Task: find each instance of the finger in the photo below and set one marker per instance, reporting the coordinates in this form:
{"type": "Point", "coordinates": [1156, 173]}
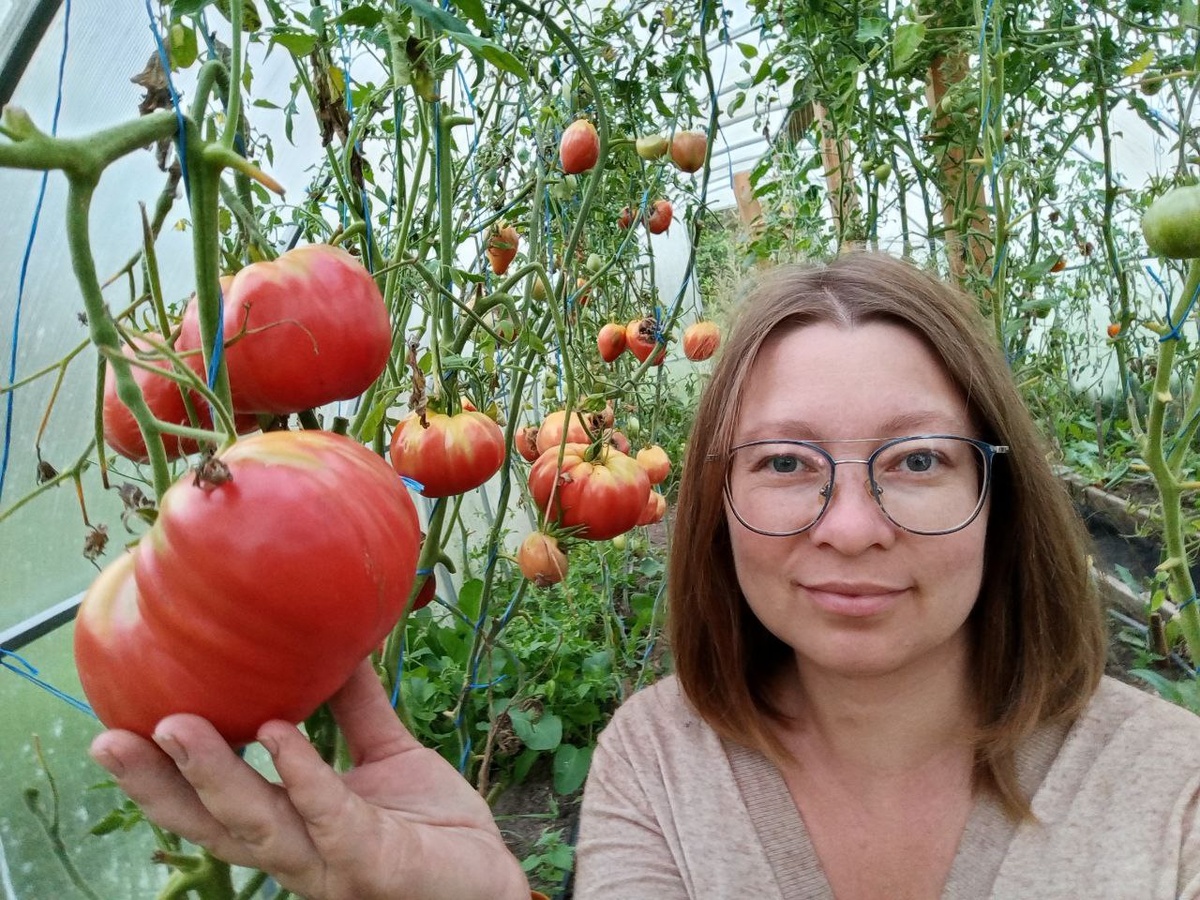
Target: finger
{"type": "Point", "coordinates": [365, 715]}
{"type": "Point", "coordinates": [152, 779]}
{"type": "Point", "coordinates": [255, 823]}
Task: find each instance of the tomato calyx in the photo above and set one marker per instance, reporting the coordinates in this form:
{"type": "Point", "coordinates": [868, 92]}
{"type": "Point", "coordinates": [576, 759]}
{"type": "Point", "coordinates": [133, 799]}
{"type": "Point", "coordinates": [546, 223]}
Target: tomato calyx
{"type": "Point", "coordinates": [210, 472]}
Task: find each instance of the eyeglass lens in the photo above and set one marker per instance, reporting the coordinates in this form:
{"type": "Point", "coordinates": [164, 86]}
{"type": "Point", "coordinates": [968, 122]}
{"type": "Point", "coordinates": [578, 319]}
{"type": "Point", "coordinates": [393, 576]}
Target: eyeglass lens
{"type": "Point", "coordinates": [922, 484]}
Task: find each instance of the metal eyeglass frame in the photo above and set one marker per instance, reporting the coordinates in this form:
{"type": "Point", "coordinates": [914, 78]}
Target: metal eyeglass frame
{"type": "Point", "coordinates": [988, 451]}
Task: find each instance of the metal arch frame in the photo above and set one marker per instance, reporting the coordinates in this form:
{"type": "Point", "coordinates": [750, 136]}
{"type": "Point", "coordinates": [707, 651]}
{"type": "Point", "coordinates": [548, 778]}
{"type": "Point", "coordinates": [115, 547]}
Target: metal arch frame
{"type": "Point", "coordinates": [28, 23]}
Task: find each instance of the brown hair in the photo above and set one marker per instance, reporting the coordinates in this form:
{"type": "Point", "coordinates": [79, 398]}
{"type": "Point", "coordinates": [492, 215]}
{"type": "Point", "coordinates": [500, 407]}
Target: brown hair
{"type": "Point", "coordinates": [1037, 629]}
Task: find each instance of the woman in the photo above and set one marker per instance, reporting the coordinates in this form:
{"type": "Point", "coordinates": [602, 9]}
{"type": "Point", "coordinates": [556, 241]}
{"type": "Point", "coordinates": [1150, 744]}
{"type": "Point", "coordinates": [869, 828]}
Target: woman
{"type": "Point", "coordinates": [889, 664]}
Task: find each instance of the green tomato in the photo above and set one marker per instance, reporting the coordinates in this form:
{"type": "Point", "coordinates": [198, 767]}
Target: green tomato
{"type": "Point", "coordinates": [633, 428]}
{"type": "Point", "coordinates": [1172, 223]}
{"type": "Point", "coordinates": [620, 541]}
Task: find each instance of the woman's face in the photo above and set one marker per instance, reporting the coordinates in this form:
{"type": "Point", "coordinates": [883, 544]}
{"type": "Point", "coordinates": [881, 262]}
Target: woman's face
{"type": "Point", "coordinates": [855, 594]}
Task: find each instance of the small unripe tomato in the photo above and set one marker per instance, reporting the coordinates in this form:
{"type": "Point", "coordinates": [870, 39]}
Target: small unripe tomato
{"type": "Point", "coordinates": [651, 146]}
{"type": "Point", "coordinates": [1172, 223]}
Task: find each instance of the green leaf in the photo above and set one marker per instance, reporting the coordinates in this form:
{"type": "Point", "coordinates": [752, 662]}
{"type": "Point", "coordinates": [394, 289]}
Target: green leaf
{"type": "Point", "coordinates": [473, 10]}
{"type": "Point", "coordinates": [364, 15]}
{"type": "Point", "coordinates": [457, 29]}
{"type": "Point", "coordinates": [906, 44]}
{"type": "Point", "coordinates": [869, 30]}
{"type": "Point", "coordinates": [183, 46]}
{"type": "Point", "coordinates": [570, 767]}
{"type": "Point", "coordinates": [1141, 64]}
{"type": "Point", "coordinates": [262, 103]}
{"type": "Point", "coordinates": [297, 43]}
{"type": "Point", "coordinates": [748, 50]}
{"type": "Point", "coordinates": [543, 734]}
{"type": "Point", "coordinates": [188, 7]}
{"type": "Point", "coordinates": [470, 596]}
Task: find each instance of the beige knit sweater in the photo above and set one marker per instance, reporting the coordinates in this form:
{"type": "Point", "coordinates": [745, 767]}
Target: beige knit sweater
{"type": "Point", "coordinates": [671, 812]}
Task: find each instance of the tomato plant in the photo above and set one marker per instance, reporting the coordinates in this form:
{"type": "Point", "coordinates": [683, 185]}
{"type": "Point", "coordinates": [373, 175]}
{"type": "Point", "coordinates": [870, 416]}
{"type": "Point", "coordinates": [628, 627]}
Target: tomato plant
{"type": "Point", "coordinates": [300, 331]}
{"type": "Point", "coordinates": [611, 341]}
{"type": "Point", "coordinates": [448, 454]}
{"type": "Point", "coordinates": [541, 559]}
{"type": "Point", "coordinates": [579, 148]}
{"type": "Point", "coordinates": [601, 491]}
{"type": "Point", "coordinates": [700, 340]}
{"type": "Point", "coordinates": [259, 588]}
{"type": "Point", "coordinates": [642, 336]}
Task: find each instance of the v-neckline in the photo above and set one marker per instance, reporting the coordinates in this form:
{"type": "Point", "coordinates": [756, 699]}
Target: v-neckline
{"type": "Point", "coordinates": [793, 860]}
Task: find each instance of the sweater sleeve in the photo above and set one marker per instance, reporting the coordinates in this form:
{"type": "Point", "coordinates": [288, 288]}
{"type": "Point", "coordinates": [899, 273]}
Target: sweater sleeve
{"type": "Point", "coordinates": [622, 850]}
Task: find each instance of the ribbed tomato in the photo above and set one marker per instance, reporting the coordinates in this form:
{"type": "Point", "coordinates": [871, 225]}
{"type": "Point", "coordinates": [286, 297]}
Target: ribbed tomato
{"type": "Point", "coordinates": [579, 148]}
{"type": "Point", "coordinates": [642, 336]}
{"type": "Point", "coordinates": [449, 454]}
{"type": "Point", "coordinates": [701, 340]}
{"type": "Point", "coordinates": [256, 592]}
{"type": "Point", "coordinates": [311, 328]}
{"type": "Point", "coordinates": [541, 560]}
{"type": "Point", "coordinates": [550, 432]}
{"type": "Point", "coordinates": [655, 461]}
{"type": "Point", "coordinates": [656, 508]}
{"type": "Point", "coordinates": [600, 491]}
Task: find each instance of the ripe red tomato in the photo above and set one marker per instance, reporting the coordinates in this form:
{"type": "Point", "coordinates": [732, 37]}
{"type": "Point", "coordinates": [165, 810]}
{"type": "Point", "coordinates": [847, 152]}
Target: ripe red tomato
{"type": "Point", "coordinates": [525, 441]}
{"type": "Point", "coordinates": [165, 399]}
{"type": "Point", "coordinates": [502, 244]}
{"type": "Point", "coordinates": [550, 433]}
{"type": "Point", "coordinates": [700, 340]}
{"type": "Point", "coordinates": [251, 598]}
{"type": "Point", "coordinates": [659, 219]}
{"type": "Point", "coordinates": [316, 330]}
{"type": "Point", "coordinates": [641, 337]}
{"type": "Point", "coordinates": [688, 149]}
{"type": "Point", "coordinates": [618, 440]}
{"type": "Point", "coordinates": [655, 461]}
{"type": "Point", "coordinates": [600, 491]}
{"type": "Point", "coordinates": [625, 219]}
{"type": "Point", "coordinates": [452, 455]}
{"type": "Point", "coordinates": [541, 560]}
{"type": "Point", "coordinates": [656, 508]}
{"type": "Point", "coordinates": [1059, 265]}
{"type": "Point", "coordinates": [427, 593]}
{"type": "Point", "coordinates": [611, 341]}
{"type": "Point", "coordinates": [1114, 329]}
{"type": "Point", "coordinates": [579, 148]}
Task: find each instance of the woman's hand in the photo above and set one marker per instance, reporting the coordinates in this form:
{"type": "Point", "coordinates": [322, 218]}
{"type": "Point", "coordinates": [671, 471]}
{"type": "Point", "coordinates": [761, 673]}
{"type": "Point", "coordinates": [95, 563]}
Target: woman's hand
{"type": "Point", "coordinates": [401, 825]}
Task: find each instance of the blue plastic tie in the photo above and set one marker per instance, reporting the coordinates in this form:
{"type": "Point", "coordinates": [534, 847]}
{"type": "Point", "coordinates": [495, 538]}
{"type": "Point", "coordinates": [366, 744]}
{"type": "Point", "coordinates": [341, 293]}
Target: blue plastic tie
{"type": "Point", "coordinates": [37, 214]}
{"type": "Point", "coordinates": [30, 673]}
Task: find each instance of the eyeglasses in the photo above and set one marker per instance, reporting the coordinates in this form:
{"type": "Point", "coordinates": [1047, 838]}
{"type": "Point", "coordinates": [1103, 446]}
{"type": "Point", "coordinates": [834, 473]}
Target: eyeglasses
{"type": "Point", "coordinates": [925, 484]}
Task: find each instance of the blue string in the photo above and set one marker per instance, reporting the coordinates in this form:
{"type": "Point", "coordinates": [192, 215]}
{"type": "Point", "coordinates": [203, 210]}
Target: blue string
{"type": "Point", "coordinates": [37, 214]}
{"type": "Point", "coordinates": [1174, 334]}
{"type": "Point", "coordinates": [30, 673]}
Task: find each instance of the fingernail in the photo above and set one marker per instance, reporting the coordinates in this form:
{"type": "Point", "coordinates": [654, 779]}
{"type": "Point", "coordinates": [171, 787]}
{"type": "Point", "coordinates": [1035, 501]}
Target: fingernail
{"type": "Point", "coordinates": [171, 746]}
{"type": "Point", "coordinates": [108, 762]}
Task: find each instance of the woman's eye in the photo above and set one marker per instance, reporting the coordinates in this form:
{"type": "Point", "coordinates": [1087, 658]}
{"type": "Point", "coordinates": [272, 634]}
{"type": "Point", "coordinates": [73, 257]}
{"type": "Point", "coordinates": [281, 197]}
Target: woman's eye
{"type": "Point", "coordinates": [919, 462]}
{"type": "Point", "coordinates": [783, 465]}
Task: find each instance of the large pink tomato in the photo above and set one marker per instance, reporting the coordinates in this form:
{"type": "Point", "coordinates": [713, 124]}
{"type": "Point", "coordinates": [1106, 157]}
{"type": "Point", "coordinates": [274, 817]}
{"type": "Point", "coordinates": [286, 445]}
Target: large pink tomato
{"type": "Point", "coordinates": [254, 595]}
{"type": "Point", "coordinates": [601, 491]}
{"type": "Point", "coordinates": [449, 454]}
{"type": "Point", "coordinates": [311, 327]}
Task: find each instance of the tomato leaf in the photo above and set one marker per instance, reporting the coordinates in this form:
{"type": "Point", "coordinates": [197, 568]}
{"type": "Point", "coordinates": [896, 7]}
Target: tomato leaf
{"type": "Point", "coordinates": [455, 28]}
{"type": "Point", "coordinates": [570, 767]}
{"type": "Point", "coordinates": [543, 734]}
{"type": "Point", "coordinates": [297, 43]}
{"type": "Point", "coordinates": [905, 45]}
{"type": "Point", "coordinates": [1141, 64]}
{"type": "Point", "coordinates": [473, 10]}
{"type": "Point", "coordinates": [364, 14]}
{"type": "Point", "coordinates": [469, 597]}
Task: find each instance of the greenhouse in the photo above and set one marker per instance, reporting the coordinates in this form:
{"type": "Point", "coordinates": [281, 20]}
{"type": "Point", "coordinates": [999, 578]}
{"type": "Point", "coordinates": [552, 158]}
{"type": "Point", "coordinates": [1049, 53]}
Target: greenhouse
{"type": "Point", "coordinates": [801, 395]}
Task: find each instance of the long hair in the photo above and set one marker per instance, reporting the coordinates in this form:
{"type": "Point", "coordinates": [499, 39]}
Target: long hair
{"type": "Point", "coordinates": [1037, 630]}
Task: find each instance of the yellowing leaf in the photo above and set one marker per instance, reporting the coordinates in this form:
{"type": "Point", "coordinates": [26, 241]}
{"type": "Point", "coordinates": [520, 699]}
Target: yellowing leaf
{"type": "Point", "coordinates": [1141, 64]}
